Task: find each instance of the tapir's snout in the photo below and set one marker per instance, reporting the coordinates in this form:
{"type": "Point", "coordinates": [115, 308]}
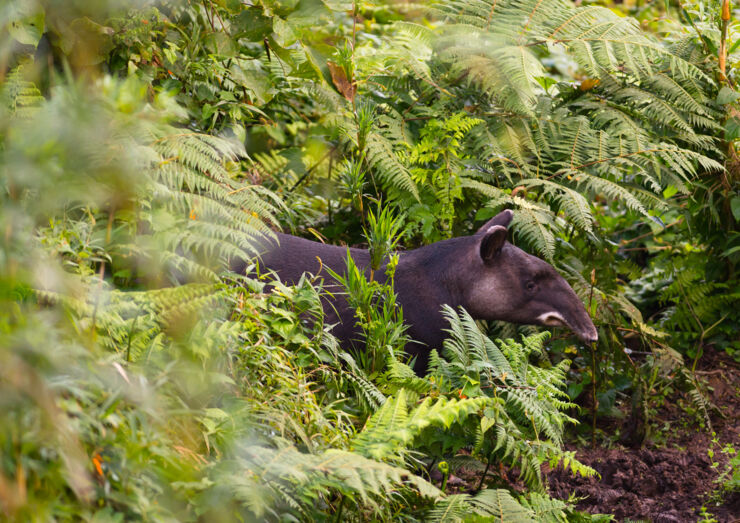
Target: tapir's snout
{"type": "Point", "coordinates": [589, 334]}
{"type": "Point", "coordinates": [582, 326]}
{"type": "Point", "coordinates": [566, 310]}
{"type": "Point", "coordinates": [579, 322]}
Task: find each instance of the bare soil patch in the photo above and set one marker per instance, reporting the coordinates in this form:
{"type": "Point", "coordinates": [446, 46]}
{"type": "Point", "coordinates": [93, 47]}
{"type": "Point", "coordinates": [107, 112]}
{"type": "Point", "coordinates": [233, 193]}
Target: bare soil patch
{"type": "Point", "coordinates": [670, 483]}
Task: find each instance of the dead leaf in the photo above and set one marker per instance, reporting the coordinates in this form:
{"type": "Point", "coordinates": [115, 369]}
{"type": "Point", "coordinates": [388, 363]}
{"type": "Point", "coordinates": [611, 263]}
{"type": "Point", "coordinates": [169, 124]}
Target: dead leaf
{"type": "Point", "coordinates": [343, 85]}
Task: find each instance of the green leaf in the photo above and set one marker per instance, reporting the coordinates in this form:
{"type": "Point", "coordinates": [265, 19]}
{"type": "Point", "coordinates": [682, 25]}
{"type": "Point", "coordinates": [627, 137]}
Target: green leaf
{"type": "Point", "coordinates": [250, 76]}
{"type": "Point", "coordinates": [207, 111]}
{"type": "Point", "coordinates": [252, 24]}
{"type": "Point", "coordinates": [734, 47]}
{"type": "Point", "coordinates": [283, 32]}
{"type": "Point", "coordinates": [732, 129]}
{"type": "Point", "coordinates": [735, 206]}
{"type": "Point", "coordinates": [669, 191]}
{"type": "Point", "coordinates": [281, 7]}
{"type": "Point", "coordinates": [339, 5]}
{"type": "Point", "coordinates": [727, 95]}
{"type": "Point", "coordinates": [25, 25]}
{"type": "Point", "coordinates": [220, 43]}
{"type": "Point", "coordinates": [546, 82]}
{"type": "Point", "coordinates": [486, 423]}
{"type": "Point", "coordinates": [471, 388]}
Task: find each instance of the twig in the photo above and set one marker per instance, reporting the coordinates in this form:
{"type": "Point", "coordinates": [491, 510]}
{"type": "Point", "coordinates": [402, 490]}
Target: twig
{"type": "Point", "coordinates": [658, 248]}
{"type": "Point", "coordinates": [208, 16]}
{"type": "Point", "coordinates": [650, 233]}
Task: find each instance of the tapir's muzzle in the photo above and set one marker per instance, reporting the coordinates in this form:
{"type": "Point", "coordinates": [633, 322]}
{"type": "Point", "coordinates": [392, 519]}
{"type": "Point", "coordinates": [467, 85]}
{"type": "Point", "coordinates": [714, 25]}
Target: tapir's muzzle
{"type": "Point", "coordinates": [584, 328]}
{"type": "Point", "coordinates": [579, 322]}
{"type": "Point", "coordinates": [589, 335]}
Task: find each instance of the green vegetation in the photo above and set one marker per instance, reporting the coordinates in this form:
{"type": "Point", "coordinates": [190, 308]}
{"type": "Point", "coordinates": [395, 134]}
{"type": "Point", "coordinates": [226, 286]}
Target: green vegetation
{"type": "Point", "coordinates": [145, 145]}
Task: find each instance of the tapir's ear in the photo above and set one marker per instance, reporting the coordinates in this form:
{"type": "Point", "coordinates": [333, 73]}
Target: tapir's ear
{"type": "Point", "coordinates": [492, 242]}
{"type": "Point", "coordinates": [503, 219]}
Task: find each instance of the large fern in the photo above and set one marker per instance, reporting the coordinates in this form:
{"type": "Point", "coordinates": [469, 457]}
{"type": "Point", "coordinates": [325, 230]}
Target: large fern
{"type": "Point", "coordinates": [489, 505]}
{"type": "Point", "coordinates": [284, 480]}
{"type": "Point", "coordinates": [641, 121]}
{"type": "Point", "coordinates": [525, 422]}
{"type": "Point", "coordinates": [393, 428]}
{"type": "Point", "coordinates": [222, 218]}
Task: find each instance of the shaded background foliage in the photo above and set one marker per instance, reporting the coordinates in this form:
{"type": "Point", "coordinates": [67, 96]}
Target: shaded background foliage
{"type": "Point", "coordinates": [148, 143]}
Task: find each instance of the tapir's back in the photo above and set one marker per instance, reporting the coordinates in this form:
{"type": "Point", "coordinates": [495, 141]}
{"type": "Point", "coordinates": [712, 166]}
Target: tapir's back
{"type": "Point", "coordinates": [291, 256]}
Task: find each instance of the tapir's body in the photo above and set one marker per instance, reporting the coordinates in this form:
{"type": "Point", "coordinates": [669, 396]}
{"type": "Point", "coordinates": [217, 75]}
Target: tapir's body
{"type": "Point", "coordinates": [491, 278]}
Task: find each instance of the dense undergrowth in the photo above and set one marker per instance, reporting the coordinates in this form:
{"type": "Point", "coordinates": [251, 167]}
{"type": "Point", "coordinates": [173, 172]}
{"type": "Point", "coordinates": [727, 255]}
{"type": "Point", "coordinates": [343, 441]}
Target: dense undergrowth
{"type": "Point", "coordinates": [145, 145]}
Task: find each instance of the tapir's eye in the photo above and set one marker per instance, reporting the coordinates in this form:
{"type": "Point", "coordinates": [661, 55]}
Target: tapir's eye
{"type": "Point", "coordinates": [531, 286]}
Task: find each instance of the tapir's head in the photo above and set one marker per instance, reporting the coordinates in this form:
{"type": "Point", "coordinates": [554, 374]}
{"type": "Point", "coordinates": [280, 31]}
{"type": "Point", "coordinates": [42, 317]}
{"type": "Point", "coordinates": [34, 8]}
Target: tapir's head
{"type": "Point", "coordinates": [514, 286]}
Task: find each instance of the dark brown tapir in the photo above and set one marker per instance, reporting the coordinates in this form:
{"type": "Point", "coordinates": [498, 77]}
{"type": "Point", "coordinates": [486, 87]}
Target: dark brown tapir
{"type": "Point", "coordinates": [491, 278]}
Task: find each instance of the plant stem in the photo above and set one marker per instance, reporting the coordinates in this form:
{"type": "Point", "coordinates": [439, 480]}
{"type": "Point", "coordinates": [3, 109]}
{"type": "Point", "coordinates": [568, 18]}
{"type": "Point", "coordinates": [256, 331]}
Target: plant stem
{"type": "Point", "coordinates": [723, 41]}
{"type": "Point", "coordinates": [682, 11]}
{"type": "Point", "coordinates": [593, 395]}
{"type": "Point", "coordinates": [339, 510]}
{"type": "Point", "coordinates": [485, 472]}
{"type": "Point", "coordinates": [328, 177]}
{"type": "Point", "coordinates": [131, 335]}
{"type": "Point", "coordinates": [593, 368]}
{"type": "Point", "coordinates": [101, 273]}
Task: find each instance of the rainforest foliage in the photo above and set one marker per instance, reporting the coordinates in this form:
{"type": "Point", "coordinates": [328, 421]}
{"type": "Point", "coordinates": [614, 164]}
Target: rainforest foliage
{"type": "Point", "coordinates": [145, 144]}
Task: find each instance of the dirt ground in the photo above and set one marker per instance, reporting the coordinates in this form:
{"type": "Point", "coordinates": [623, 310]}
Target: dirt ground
{"type": "Point", "coordinates": [665, 483]}
{"type": "Point", "coordinates": [671, 482]}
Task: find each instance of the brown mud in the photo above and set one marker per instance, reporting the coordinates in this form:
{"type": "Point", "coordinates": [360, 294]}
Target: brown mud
{"type": "Point", "coordinates": [670, 482]}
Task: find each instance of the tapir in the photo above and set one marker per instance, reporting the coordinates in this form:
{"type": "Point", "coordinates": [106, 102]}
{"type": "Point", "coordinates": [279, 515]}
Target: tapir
{"type": "Point", "coordinates": [484, 273]}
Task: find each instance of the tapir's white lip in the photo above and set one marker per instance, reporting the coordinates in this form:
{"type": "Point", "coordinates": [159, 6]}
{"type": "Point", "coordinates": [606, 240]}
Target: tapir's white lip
{"type": "Point", "coordinates": [553, 319]}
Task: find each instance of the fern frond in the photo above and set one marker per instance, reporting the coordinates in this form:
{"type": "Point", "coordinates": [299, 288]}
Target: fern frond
{"type": "Point", "coordinates": [19, 96]}
{"type": "Point", "coordinates": [451, 509]}
{"type": "Point", "coordinates": [534, 224]}
{"type": "Point", "coordinates": [501, 506]}
{"type": "Point", "coordinates": [490, 505]}
{"type": "Point", "coordinates": [393, 427]}
{"type": "Point", "coordinates": [223, 219]}
{"type": "Point", "coordinates": [404, 377]}
{"type": "Point", "coordinates": [524, 419]}
{"type": "Point", "coordinates": [380, 155]}
{"type": "Point", "coordinates": [573, 203]}
{"type": "Point", "coordinates": [545, 508]}
{"type": "Point", "coordinates": [299, 479]}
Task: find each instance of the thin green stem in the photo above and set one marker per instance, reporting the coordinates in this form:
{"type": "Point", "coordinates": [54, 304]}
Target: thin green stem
{"type": "Point", "coordinates": [593, 368]}
{"type": "Point", "coordinates": [340, 509]}
{"type": "Point", "coordinates": [485, 472]}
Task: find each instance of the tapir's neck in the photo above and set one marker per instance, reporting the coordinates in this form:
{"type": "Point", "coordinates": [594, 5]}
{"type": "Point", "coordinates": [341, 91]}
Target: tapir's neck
{"type": "Point", "coordinates": [427, 278]}
{"type": "Point", "coordinates": [436, 268]}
